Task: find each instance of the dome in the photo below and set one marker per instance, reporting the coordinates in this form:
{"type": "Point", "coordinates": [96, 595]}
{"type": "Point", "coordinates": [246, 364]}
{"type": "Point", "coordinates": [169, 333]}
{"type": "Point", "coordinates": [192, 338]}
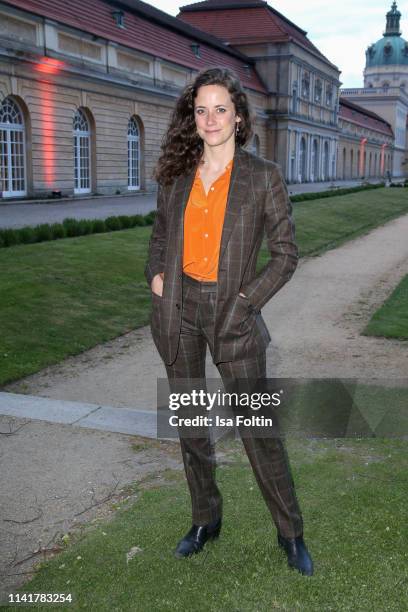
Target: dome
{"type": "Point", "coordinates": [391, 49]}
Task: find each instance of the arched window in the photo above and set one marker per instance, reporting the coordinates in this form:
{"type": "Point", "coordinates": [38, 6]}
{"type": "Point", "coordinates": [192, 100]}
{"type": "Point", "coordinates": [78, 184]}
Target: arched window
{"type": "Point", "coordinates": [82, 156]}
{"type": "Point", "coordinates": [12, 150]}
{"type": "Point", "coordinates": [344, 163]}
{"type": "Point", "coordinates": [133, 145]}
{"type": "Point", "coordinates": [351, 163]}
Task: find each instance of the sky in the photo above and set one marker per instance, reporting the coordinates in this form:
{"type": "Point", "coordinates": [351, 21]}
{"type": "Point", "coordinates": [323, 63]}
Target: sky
{"type": "Point", "coordinates": [341, 30]}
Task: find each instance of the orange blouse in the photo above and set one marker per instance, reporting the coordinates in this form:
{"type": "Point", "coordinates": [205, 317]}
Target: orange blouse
{"type": "Point", "coordinates": [203, 223]}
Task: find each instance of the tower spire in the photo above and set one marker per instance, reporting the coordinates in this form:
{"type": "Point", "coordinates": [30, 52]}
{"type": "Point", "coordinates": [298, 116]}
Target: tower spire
{"type": "Point", "coordinates": [392, 27]}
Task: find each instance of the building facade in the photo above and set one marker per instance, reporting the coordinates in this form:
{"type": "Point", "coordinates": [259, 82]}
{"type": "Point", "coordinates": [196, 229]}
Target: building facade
{"type": "Point", "coordinates": [302, 84]}
{"type": "Point", "coordinates": [86, 92]}
{"type": "Point", "coordinates": [385, 90]}
{"type": "Point", "coordinates": [365, 144]}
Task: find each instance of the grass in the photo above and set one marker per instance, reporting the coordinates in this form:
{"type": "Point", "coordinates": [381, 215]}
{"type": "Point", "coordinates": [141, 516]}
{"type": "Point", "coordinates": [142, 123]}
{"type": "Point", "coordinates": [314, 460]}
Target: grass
{"type": "Point", "coordinates": [353, 498]}
{"type": "Point", "coordinates": [327, 223]}
{"type": "Point", "coordinates": [391, 320]}
{"type": "Point", "coordinates": [62, 297]}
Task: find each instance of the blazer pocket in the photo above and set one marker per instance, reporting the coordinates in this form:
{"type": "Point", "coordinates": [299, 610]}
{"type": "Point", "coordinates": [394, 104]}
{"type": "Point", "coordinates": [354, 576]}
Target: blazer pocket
{"type": "Point", "coordinates": [263, 330]}
{"type": "Point", "coordinates": [239, 319]}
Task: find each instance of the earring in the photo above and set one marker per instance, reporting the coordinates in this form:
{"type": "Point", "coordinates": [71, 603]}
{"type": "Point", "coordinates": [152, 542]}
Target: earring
{"type": "Point", "coordinates": [236, 129]}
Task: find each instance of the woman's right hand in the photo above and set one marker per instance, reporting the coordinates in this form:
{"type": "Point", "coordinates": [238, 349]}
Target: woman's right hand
{"type": "Point", "coordinates": [157, 284]}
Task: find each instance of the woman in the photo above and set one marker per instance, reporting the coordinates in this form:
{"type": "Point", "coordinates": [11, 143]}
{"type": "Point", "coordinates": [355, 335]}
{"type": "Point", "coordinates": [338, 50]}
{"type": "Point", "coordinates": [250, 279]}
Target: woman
{"type": "Point", "coordinates": [215, 201]}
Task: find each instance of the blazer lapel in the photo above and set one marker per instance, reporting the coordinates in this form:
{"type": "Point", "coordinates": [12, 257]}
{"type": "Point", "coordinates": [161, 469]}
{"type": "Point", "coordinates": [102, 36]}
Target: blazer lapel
{"type": "Point", "coordinates": [237, 195]}
{"type": "Point", "coordinates": [180, 197]}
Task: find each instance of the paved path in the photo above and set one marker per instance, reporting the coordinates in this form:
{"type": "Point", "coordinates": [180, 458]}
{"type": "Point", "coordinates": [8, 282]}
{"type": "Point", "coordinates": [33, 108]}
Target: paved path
{"type": "Point", "coordinates": [21, 213]}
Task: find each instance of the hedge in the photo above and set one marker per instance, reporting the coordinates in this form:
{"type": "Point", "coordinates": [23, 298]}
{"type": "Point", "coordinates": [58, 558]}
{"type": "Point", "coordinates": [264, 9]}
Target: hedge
{"type": "Point", "coordinates": [72, 227]}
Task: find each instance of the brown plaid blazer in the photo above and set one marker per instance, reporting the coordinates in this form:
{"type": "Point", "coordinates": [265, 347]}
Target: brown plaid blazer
{"type": "Point", "coordinates": [257, 202]}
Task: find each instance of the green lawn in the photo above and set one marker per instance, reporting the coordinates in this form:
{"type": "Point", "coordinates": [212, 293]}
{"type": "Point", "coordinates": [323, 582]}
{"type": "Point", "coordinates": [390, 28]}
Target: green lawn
{"type": "Point", "coordinates": [62, 297]}
{"type": "Point", "coordinates": [391, 320]}
{"type": "Point", "coordinates": [327, 223]}
{"type": "Point", "coordinates": [353, 498]}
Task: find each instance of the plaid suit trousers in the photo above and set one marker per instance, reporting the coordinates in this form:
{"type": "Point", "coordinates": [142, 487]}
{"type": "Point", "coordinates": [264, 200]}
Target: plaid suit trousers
{"type": "Point", "coordinates": [267, 456]}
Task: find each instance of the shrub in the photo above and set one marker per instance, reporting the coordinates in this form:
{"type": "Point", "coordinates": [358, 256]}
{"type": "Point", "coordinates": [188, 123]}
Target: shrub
{"type": "Point", "coordinates": [316, 195]}
{"type": "Point", "coordinates": [43, 232]}
{"type": "Point", "coordinates": [98, 226]}
{"type": "Point", "coordinates": [125, 221]}
{"type": "Point", "coordinates": [138, 220]}
{"type": "Point", "coordinates": [113, 223]}
{"type": "Point", "coordinates": [57, 231]}
{"type": "Point", "coordinates": [27, 235]}
{"type": "Point", "coordinates": [10, 237]}
{"type": "Point", "coordinates": [71, 227]}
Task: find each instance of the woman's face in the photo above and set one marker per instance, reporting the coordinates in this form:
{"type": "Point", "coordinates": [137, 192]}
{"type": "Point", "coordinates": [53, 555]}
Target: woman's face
{"type": "Point", "coordinates": [215, 115]}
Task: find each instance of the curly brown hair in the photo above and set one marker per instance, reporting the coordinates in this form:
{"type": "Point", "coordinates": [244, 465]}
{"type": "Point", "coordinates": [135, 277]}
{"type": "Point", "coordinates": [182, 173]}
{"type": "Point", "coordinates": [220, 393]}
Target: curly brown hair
{"type": "Point", "coordinates": [182, 147]}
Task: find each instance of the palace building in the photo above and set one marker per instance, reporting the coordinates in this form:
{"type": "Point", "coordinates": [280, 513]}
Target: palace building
{"type": "Point", "coordinates": [87, 89]}
{"type": "Point", "coordinates": [385, 90]}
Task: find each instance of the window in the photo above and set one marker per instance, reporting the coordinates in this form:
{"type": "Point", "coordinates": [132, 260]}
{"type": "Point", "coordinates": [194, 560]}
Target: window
{"type": "Point", "coordinates": [318, 91]}
{"type": "Point", "coordinates": [195, 47]}
{"type": "Point", "coordinates": [82, 138]}
{"type": "Point", "coordinates": [133, 144]}
{"type": "Point", "coordinates": [329, 95]}
{"type": "Point", "coordinates": [294, 98]}
{"type": "Point", "coordinates": [305, 85]}
{"type": "Point", "coordinates": [315, 161]}
{"type": "Point", "coordinates": [119, 17]}
{"type": "Point", "coordinates": [388, 50]}
{"type": "Point", "coordinates": [302, 160]}
{"type": "Point", "coordinates": [326, 161]}
{"type": "Point", "coordinates": [12, 150]}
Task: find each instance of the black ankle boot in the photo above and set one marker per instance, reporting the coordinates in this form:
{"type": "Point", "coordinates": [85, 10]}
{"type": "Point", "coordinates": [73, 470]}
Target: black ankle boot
{"type": "Point", "coordinates": [193, 542]}
{"type": "Point", "coordinates": [298, 555]}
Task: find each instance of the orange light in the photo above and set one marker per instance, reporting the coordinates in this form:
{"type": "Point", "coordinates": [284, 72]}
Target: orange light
{"type": "Point", "coordinates": [48, 65]}
{"type": "Point", "coordinates": [48, 129]}
{"type": "Point", "coordinates": [362, 160]}
{"type": "Point", "coordinates": [383, 147]}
